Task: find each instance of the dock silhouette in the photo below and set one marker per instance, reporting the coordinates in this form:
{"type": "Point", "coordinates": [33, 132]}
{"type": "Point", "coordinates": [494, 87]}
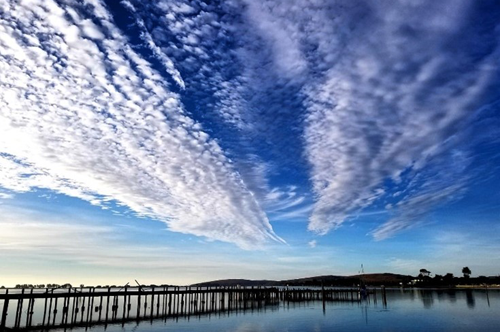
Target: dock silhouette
{"type": "Point", "coordinates": [26, 309]}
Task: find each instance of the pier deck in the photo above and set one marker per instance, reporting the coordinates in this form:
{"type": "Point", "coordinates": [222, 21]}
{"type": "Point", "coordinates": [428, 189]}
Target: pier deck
{"type": "Point", "coordinates": [25, 309]}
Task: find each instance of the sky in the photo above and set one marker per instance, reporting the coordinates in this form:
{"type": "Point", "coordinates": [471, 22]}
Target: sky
{"type": "Point", "coordinates": [179, 141]}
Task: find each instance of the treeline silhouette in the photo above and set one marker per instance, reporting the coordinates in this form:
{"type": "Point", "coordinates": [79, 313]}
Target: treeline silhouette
{"type": "Point", "coordinates": [68, 285]}
{"type": "Point", "coordinates": [42, 286]}
{"type": "Point", "coordinates": [424, 279]}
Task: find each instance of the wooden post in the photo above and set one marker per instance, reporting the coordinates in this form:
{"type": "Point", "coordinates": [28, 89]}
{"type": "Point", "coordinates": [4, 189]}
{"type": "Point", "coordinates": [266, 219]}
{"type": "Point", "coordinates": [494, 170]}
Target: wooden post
{"type": "Point", "coordinates": [55, 312]}
{"type": "Point", "coordinates": [124, 303]}
{"type": "Point", "coordinates": [31, 311]}
{"type": "Point", "coordinates": [212, 297]}
{"type": "Point", "coordinates": [152, 302]}
{"type": "Point", "coordinates": [169, 304]}
{"type": "Point", "coordinates": [158, 304]}
{"type": "Point", "coordinates": [107, 304]}
{"type": "Point", "coordinates": [91, 306]}
{"type": "Point", "coordinates": [45, 306]}
{"type": "Point", "coordinates": [114, 308]}
{"type": "Point", "coordinates": [70, 308]}
{"type": "Point", "coordinates": [19, 311]}
{"type": "Point", "coordinates": [189, 301]}
{"type": "Point", "coordinates": [82, 309]}
{"type": "Point", "coordinates": [194, 299]}
{"type": "Point", "coordinates": [100, 309]}
{"type": "Point", "coordinates": [200, 301]}
{"type": "Point", "coordinates": [74, 308]}
{"type": "Point", "coordinates": [179, 303]}
{"type": "Point", "coordinates": [139, 304]}
{"type": "Point", "coordinates": [209, 295]}
{"type": "Point", "coordinates": [167, 298]}
{"type": "Point", "coordinates": [223, 299]}
{"type": "Point", "coordinates": [67, 306]}
{"type": "Point", "coordinates": [129, 306]}
{"type": "Point", "coordinates": [164, 302]}
{"type": "Point", "coordinates": [205, 300]}
{"type": "Point", "coordinates": [29, 308]}
{"type": "Point", "coordinates": [4, 311]}
{"type": "Point", "coordinates": [50, 308]}
{"type": "Point", "coordinates": [64, 309]}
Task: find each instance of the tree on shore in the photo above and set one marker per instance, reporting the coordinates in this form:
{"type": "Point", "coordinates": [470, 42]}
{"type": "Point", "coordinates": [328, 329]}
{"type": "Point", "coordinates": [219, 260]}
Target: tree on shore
{"type": "Point", "coordinates": [466, 271]}
{"type": "Point", "coordinates": [424, 272]}
{"type": "Point", "coordinates": [448, 277]}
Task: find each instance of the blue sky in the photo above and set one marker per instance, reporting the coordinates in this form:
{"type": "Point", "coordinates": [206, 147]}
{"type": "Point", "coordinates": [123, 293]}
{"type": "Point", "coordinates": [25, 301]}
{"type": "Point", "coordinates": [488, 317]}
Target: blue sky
{"type": "Point", "coordinates": [179, 141]}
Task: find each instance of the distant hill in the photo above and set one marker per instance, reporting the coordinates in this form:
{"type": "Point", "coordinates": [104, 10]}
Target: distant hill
{"type": "Point", "coordinates": [238, 282]}
{"type": "Point", "coordinates": [384, 278]}
{"type": "Point", "coordinates": [373, 279]}
{"type": "Point", "coordinates": [326, 280]}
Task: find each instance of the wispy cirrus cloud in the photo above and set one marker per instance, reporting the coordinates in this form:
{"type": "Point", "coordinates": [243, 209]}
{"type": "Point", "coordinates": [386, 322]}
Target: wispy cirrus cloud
{"type": "Point", "coordinates": [354, 100]}
{"type": "Point", "coordinates": [238, 91]}
{"type": "Point", "coordinates": [157, 51]}
{"type": "Point", "coordinates": [388, 87]}
{"type": "Point", "coordinates": [85, 115]}
{"type": "Point", "coordinates": [6, 196]}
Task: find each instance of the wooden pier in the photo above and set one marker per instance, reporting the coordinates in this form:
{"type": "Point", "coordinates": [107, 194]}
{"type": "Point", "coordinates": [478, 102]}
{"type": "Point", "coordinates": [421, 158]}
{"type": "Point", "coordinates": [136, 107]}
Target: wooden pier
{"type": "Point", "coordinates": [25, 309]}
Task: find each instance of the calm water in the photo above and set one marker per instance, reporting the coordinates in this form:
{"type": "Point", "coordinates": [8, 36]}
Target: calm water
{"type": "Point", "coordinates": [409, 310]}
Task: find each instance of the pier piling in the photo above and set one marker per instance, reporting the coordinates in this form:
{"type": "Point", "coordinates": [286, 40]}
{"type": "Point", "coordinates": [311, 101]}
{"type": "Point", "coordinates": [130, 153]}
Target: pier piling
{"type": "Point", "coordinates": [85, 306]}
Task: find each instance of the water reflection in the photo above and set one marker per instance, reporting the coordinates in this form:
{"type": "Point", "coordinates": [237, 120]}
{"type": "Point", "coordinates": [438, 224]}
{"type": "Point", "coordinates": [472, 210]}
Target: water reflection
{"type": "Point", "coordinates": [407, 310]}
{"type": "Point", "coordinates": [365, 313]}
{"type": "Point", "coordinates": [427, 298]}
{"type": "Point", "coordinates": [452, 295]}
{"type": "Point", "coordinates": [471, 302]}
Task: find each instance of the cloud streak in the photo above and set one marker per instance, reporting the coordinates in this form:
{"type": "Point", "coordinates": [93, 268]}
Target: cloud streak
{"type": "Point", "coordinates": [386, 86]}
{"type": "Point", "coordinates": [87, 116]}
{"type": "Point", "coordinates": [350, 104]}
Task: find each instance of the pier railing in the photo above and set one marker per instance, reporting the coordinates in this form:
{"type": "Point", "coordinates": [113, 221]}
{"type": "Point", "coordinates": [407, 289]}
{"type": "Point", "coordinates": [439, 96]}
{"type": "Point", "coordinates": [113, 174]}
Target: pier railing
{"type": "Point", "coordinates": [25, 309]}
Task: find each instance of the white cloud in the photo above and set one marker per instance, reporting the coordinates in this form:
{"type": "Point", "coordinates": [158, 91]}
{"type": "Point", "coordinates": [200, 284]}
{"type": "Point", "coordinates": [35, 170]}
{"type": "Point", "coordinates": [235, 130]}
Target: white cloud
{"type": "Point", "coordinates": [284, 202]}
{"type": "Point", "coordinates": [299, 214]}
{"type": "Point", "coordinates": [412, 212]}
{"type": "Point", "coordinates": [312, 243]}
{"type": "Point", "coordinates": [6, 196]}
{"type": "Point", "coordinates": [380, 111]}
{"type": "Point", "coordinates": [146, 36]}
{"type": "Point", "coordinates": [91, 119]}
{"type": "Point", "coordinates": [381, 84]}
{"type": "Point", "coordinates": [385, 88]}
{"type": "Point", "coordinates": [216, 47]}
{"type": "Point", "coordinates": [276, 23]}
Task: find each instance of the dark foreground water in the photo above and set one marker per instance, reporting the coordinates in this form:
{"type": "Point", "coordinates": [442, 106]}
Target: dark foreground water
{"type": "Point", "coordinates": [406, 310]}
